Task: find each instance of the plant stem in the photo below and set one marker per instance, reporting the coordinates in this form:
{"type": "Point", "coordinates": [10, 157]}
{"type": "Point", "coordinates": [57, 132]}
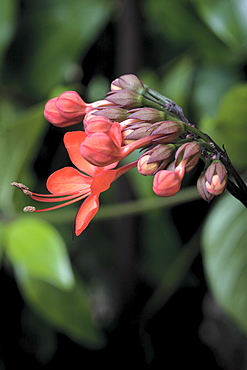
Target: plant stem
{"type": "Point", "coordinates": [155, 100]}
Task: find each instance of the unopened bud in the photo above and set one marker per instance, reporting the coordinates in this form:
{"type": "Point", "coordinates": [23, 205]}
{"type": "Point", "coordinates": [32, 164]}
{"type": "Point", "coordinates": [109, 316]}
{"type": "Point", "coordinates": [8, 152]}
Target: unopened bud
{"type": "Point", "coordinates": [127, 82]}
{"type": "Point", "coordinates": [149, 115]}
{"type": "Point", "coordinates": [143, 130]}
{"type": "Point", "coordinates": [202, 190]}
{"type": "Point", "coordinates": [125, 134]}
{"type": "Point", "coordinates": [113, 113]}
{"type": "Point", "coordinates": [71, 106]}
{"type": "Point", "coordinates": [100, 150]}
{"type": "Point", "coordinates": [145, 168]}
{"type": "Point", "coordinates": [52, 115]}
{"type": "Point", "coordinates": [167, 183]}
{"type": "Point", "coordinates": [97, 124]}
{"type": "Point", "coordinates": [161, 153]}
{"type": "Point", "coordinates": [170, 130]}
{"type": "Point", "coordinates": [216, 178]}
{"type": "Point", "coordinates": [125, 98]}
{"type": "Point", "coordinates": [188, 155]}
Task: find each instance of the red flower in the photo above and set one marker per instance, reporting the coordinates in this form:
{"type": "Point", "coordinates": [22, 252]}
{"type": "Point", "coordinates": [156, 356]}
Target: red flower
{"type": "Point", "coordinates": [68, 185]}
{"type": "Point", "coordinates": [103, 143]}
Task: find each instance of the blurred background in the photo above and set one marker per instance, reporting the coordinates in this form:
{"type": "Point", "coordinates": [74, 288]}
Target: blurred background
{"type": "Point", "coordinates": [152, 281]}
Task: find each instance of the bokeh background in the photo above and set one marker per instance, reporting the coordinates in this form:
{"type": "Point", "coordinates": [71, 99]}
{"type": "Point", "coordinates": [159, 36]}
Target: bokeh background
{"type": "Point", "coordinates": [151, 282]}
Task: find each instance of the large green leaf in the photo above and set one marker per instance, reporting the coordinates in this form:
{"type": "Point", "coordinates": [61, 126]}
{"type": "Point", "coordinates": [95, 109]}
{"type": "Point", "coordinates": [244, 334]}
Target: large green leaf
{"type": "Point", "coordinates": [36, 245]}
{"type": "Point", "coordinates": [227, 19]}
{"type": "Point", "coordinates": [54, 36]}
{"type": "Point", "coordinates": [68, 311]}
{"type": "Point", "coordinates": [229, 128]}
{"type": "Point", "coordinates": [224, 241]}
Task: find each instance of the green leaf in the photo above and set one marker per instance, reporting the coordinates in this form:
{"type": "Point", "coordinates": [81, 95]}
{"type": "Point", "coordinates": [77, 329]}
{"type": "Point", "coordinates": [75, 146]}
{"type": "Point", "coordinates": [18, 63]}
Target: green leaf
{"type": "Point", "coordinates": [171, 18]}
{"type": "Point", "coordinates": [19, 135]}
{"type": "Point", "coordinates": [211, 82]}
{"type": "Point", "coordinates": [224, 241]}
{"type": "Point", "coordinates": [8, 12]}
{"type": "Point", "coordinates": [67, 310]}
{"type": "Point", "coordinates": [227, 19]}
{"type": "Point", "coordinates": [229, 128]}
{"type": "Point", "coordinates": [160, 244]}
{"type": "Point", "coordinates": [36, 245]}
{"type": "Point", "coordinates": [59, 34]}
{"type": "Point", "coordinates": [179, 79]}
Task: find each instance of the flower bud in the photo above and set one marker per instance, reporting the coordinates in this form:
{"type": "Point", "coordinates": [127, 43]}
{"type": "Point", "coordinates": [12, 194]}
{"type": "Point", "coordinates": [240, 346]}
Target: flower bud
{"type": "Point", "coordinates": [125, 134]}
{"type": "Point", "coordinates": [125, 98]}
{"type": "Point", "coordinates": [161, 153]}
{"type": "Point", "coordinates": [188, 155]}
{"type": "Point", "coordinates": [201, 187]}
{"type": "Point", "coordinates": [94, 123]}
{"type": "Point", "coordinates": [127, 82]}
{"type": "Point", "coordinates": [144, 167]}
{"type": "Point", "coordinates": [71, 106]}
{"type": "Point", "coordinates": [113, 113]}
{"type": "Point", "coordinates": [216, 178]}
{"type": "Point", "coordinates": [52, 115]}
{"type": "Point", "coordinates": [170, 130]}
{"type": "Point", "coordinates": [143, 130]}
{"type": "Point", "coordinates": [155, 159]}
{"type": "Point", "coordinates": [149, 115]}
{"type": "Point", "coordinates": [167, 183]}
{"type": "Point", "coordinates": [100, 150]}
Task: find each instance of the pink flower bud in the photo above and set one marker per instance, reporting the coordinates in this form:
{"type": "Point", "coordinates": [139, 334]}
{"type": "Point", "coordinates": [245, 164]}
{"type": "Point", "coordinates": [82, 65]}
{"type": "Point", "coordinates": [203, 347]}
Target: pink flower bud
{"type": "Point", "coordinates": [100, 150]}
{"type": "Point", "coordinates": [94, 123]}
{"type": "Point", "coordinates": [71, 106]}
{"type": "Point", "coordinates": [52, 115]}
{"type": "Point", "coordinates": [216, 178]}
{"type": "Point", "coordinates": [167, 183]}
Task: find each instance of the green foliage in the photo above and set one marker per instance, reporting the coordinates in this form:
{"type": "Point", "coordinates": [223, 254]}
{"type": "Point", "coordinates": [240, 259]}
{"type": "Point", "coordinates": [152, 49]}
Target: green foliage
{"type": "Point", "coordinates": [69, 311]}
{"type": "Point", "coordinates": [36, 245]}
{"type": "Point", "coordinates": [195, 53]}
{"type": "Point", "coordinates": [227, 19]}
{"type": "Point", "coordinates": [229, 127]}
{"type": "Point", "coordinates": [225, 257]}
{"type": "Point", "coordinates": [58, 33]}
{"type": "Point", "coordinates": [20, 133]}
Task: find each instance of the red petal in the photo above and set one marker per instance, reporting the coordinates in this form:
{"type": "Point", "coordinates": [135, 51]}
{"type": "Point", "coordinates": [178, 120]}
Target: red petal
{"type": "Point", "coordinates": [87, 211]}
{"type": "Point", "coordinates": [72, 142]}
{"type": "Point", "coordinates": [102, 181]}
{"type": "Point", "coordinates": [116, 134]}
{"type": "Point", "coordinates": [68, 179]}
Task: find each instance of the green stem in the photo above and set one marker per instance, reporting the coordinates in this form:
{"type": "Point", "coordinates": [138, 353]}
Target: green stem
{"type": "Point", "coordinates": [155, 100]}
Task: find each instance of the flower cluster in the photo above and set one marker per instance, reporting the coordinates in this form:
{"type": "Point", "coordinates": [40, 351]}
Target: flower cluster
{"type": "Point", "coordinates": [131, 117]}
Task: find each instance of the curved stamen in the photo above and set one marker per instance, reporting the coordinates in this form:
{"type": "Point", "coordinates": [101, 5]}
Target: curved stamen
{"type": "Point", "coordinates": [32, 209]}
